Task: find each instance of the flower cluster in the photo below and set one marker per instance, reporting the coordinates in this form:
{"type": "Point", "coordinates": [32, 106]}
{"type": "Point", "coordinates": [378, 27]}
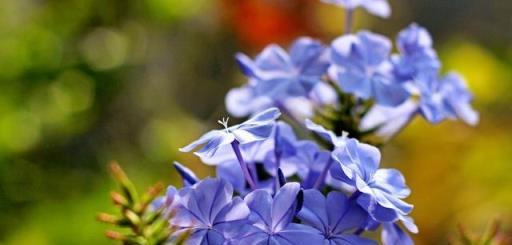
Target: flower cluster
{"type": "Point", "coordinates": [326, 186]}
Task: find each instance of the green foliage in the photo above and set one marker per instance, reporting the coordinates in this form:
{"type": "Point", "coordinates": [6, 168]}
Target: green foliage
{"type": "Point", "coordinates": [140, 224]}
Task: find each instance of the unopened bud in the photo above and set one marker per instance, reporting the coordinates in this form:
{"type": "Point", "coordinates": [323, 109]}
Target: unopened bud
{"type": "Point", "coordinates": [118, 199]}
{"type": "Point", "coordinates": [114, 235]}
{"type": "Point", "coordinates": [107, 218]}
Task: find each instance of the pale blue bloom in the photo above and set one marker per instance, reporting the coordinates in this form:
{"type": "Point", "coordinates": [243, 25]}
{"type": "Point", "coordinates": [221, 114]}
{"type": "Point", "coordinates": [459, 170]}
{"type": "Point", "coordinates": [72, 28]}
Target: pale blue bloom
{"type": "Point", "coordinates": [416, 54]}
{"type": "Point", "coordinates": [276, 76]}
{"type": "Point", "coordinates": [336, 217]}
{"type": "Point", "coordinates": [360, 64]}
{"type": "Point", "coordinates": [270, 222]}
{"type": "Point", "coordinates": [167, 201]}
{"type": "Point", "coordinates": [434, 98]}
{"type": "Point", "coordinates": [457, 99]}
{"type": "Point", "coordinates": [392, 234]}
{"type": "Point", "coordinates": [379, 8]}
{"type": "Point", "coordinates": [208, 211]}
{"type": "Point", "coordinates": [257, 128]}
{"type": "Point", "coordinates": [331, 137]}
{"type": "Point", "coordinates": [272, 153]}
{"type": "Point", "coordinates": [380, 191]}
{"type": "Point", "coordinates": [189, 177]}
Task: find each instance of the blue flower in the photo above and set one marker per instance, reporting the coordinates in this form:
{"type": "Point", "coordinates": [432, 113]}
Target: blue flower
{"type": "Point", "coordinates": [275, 76]}
{"type": "Point", "coordinates": [311, 161]}
{"type": "Point", "coordinates": [271, 219]}
{"type": "Point", "coordinates": [457, 99]}
{"type": "Point", "coordinates": [167, 201]}
{"type": "Point", "coordinates": [189, 177]}
{"type": "Point", "coordinates": [281, 148]}
{"type": "Point", "coordinates": [416, 54]}
{"type": "Point", "coordinates": [336, 217]}
{"type": "Point", "coordinates": [361, 66]}
{"type": "Point", "coordinates": [257, 128]}
{"type": "Point", "coordinates": [272, 153]}
{"type": "Point", "coordinates": [393, 234]}
{"type": "Point", "coordinates": [209, 213]}
{"type": "Point", "coordinates": [379, 190]}
{"type": "Point", "coordinates": [379, 8]}
{"type": "Point", "coordinates": [434, 98]}
{"type": "Point", "coordinates": [328, 135]}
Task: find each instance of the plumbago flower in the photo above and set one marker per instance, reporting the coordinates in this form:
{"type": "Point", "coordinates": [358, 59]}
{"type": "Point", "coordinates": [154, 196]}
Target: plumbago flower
{"type": "Point", "coordinates": [360, 65]}
{"type": "Point", "coordinates": [276, 76]}
{"type": "Point", "coordinates": [369, 91]}
{"type": "Point", "coordinates": [378, 191]}
{"type": "Point", "coordinates": [416, 54]}
{"type": "Point", "coordinates": [256, 129]}
{"type": "Point", "coordinates": [379, 8]}
{"type": "Point", "coordinates": [278, 151]}
{"type": "Point", "coordinates": [270, 221]}
{"type": "Point", "coordinates": [336, 217]}
{"type": "Point", "coordinates": [431, 96]}
{"type": "Point", "coordinates": [208, 212]}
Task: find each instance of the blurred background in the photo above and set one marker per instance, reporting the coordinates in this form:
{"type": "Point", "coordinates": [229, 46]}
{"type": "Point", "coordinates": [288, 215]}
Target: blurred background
{"type": "Point", "coordinates": [83, 82]}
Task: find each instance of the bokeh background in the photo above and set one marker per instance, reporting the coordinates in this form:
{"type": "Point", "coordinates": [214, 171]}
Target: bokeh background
{"type": "Point", "coordinates": [83, 82]}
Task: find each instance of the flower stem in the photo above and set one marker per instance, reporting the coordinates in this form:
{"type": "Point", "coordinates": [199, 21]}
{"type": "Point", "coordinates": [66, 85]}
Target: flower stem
{"type": "Point", "coordinates": [322, 176]}
{"type": "Point", "coordinates": [236, 148]}
{"type": "Point", "coordinates": [277, 156]}
{"type": "Point", "coordinates": [349, 18]}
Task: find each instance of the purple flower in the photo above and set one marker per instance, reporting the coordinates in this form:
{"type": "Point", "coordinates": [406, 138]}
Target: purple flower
{"type": "Point", "coordinates": [258, 128]}
{"type": "Point", "coordinates": [416, 54]}
{"type": "Point", "coordinates": [275, 76]}
{"type": "Point", "coordinates": [311, 162]}
{"type": "Point", "coordinates": [272, 153]}
{"type": "Point", "coordinates": [336, 217]}
{"type": "Point", "coordinates": [270, 221]}
{"type": "Point", "coordinates": [380, 190]}
{"type": "Point", "coordinates": [392, 234]}
{"type": "Point", "coordinates": [327, 134]}
{"type": "Point", "coordinates": [189, 177]}
{"type": "Point", "coordinates": [457, 99]}
{"type": "Point", "coordinates": [361, 66]}
{"type": "Point", "coordinates": [433, 98]}
{"type": "Point", "coordinates": [281, 148]}
{"type": "Point", "coordinates": [209, 213]}
{"type": "Point", "coordinates": [167, 201]}
{"type": "Point", "coordinates": [379, 8]}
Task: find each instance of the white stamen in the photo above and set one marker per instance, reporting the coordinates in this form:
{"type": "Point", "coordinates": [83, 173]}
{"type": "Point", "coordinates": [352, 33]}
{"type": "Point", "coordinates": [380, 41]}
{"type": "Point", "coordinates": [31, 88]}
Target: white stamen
{"type": "Point", "coordinates": [224, 122]}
